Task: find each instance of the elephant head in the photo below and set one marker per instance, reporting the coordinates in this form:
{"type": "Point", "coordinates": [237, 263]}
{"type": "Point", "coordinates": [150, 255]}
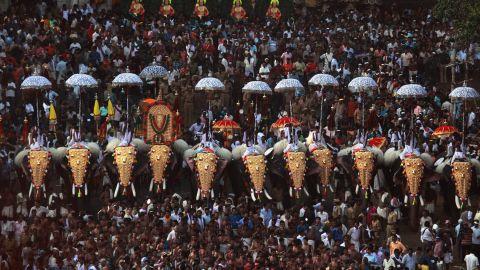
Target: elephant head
{"type": "Point", "coordinates": [256, 167]}
{"type": "Point", "coordinates": [160, 156]}
{"type": "Point", "coordinates": [413, 171]}
{"type": "Point", "coordinates": [462, 176]}
{"type": "Point", "coordinates": [208, 164]}
{"type": "Point", "coordinates": [125, 156]}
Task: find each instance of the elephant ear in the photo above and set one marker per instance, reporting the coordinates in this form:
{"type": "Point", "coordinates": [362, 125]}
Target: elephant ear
{"type": "Point", "coordinates": [344, 152]}
{"type": "Point", "coordinates": [427, 159]}
{"type": "Point", "coordinates": [94, 148]}
{"type": "Point", "coordinates": [141, 146]}
{"type": "Point", "coordinates": [279, 147]}
{"type": "Point", "coordinates": [20, 157]}
{"type": "Point", "coordinates": [390, 156]}
{"type": "Point", "coordinates": [476, 165]}
{"type": "Point", "coordinates": [224, 154]}
{"type": "Point", "coordinates": [441, 166]}
{"type": "Point", "coordinates": [180, 146]}
{"type": "Point", "coordinates": [58, 154]}
{"type": "Point", "coordinates": [110, 148]}
{"type": "Point", "coordinates": [302, 147]}
{"type": "Point", "coordinates": [238, 152]}
{"type": "Point", "coordinates": [378, 155]}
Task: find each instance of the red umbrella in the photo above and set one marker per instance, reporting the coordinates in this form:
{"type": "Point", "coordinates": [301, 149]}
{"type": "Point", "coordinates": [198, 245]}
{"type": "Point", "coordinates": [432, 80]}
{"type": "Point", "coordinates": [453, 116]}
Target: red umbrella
{"type": "Point", "coordinates": [378, 142]}
{"type": "Point", "coordinates": [226, 124]}
{"type": "Point", "coordinates": [444, 131]}
{"type": "Point", "coordinates": [284, 121]}
{"type": "Point", "coordinates": [146, 103]}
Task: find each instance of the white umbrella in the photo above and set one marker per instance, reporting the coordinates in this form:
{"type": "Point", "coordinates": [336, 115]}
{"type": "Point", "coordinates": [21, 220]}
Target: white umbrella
{"type": "Point", "coordinates": [411, 91]}
{"type": "Point", "coordinates": [257, 87]}
{"type": "Point", "coordinates": [362, 84]}
{"type": "Point", "coordinates": [153, 71]}
{"type": "Point", "coordinates": [82, 81]}
{"type": "Point", "coordinates": [288, 85]}
{"type": "Point", "coordinates": [323, 80]}
{"type": "Point", "coordinates": [464, 93]}
{"type": "Point", "coordinates": [209, 84]}
{"type": "Point", "coordinates": [36, 82]}
{"type": "Point", "coordinates": [127, 79]}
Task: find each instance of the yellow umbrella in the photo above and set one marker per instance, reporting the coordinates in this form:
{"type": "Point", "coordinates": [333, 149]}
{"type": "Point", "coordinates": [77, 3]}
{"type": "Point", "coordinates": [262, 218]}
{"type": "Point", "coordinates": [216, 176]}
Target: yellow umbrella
{"type": "Point", "coordinates": [52, 117]}
{"type": "Point", "coordinates": [96, 109]}
{"type": "Point", "coordinates": [110, 110]}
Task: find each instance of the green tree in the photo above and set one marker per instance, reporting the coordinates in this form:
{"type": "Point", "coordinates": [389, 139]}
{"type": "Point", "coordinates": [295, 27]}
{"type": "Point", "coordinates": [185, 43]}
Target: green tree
{"type": "Point", "coordinates": [464, 16]}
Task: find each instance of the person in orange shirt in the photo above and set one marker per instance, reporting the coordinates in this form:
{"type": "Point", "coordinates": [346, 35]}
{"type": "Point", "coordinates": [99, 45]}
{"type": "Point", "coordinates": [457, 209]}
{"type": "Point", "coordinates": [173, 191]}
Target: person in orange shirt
{"type": "Point", "coordinates": [396, 244]}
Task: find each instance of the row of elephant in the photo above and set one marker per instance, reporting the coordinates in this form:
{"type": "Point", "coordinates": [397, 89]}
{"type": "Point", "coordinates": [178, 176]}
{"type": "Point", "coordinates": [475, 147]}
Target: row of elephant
{"type": "Point", "coordinates": [283, 173]}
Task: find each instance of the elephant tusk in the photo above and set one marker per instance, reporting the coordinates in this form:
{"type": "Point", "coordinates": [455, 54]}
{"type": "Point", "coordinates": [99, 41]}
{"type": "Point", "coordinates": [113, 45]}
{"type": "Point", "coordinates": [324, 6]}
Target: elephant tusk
{"type": "Point", "coordinates": [318, 188]}
{"type": "Point", "coordinates": [356, 189]}
{"type": "Point", "coordinates": [164, 184]}
{"type": "Point", "coordinates": [469, 204]}
{"type": "Point", "coordinates": [266, 194]}
{"type": "Point", "coordinates": [371, 189]}
{"type": "Point", "coordinates": [405, 200]}
{"type": "Point", "coordinates": [116, 190]}
{"type": "Point", "coordinates": [290, 192]}
{"type": "Point", "coordinates": [50, 199]}
{"type": "Point", "coordinates": [110, 192]}
{"type": "Point", "coordinates": [44, 192]}
{"type": "Point", "coordinates": [331, 188]}
{"type": "Point", "coordinates": [151, 185]}
{"type": "Point", "coordinates": [252, 195]}
{"type": "Point", "coordinates": [133, 189]}
{"type": "Point", "coordinates": [457, 202]}
{"type": "Point", "coordinates": [198, 194]}
{"type": "Point", "coordinates": [212, 193]}
{"type": "Point", "coordinates": [421, 200]}
{"type": "Point", "coordinates": [86, 189]}
{"type": "Point", "coordinates": [73, 189]}
{"type": "Point", "coordinates": [306, 192]}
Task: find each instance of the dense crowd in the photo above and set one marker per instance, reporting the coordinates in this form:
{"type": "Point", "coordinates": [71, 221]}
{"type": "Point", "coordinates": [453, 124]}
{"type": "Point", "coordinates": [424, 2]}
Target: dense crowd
{"type": "Point", "coordinates": [393, 45]}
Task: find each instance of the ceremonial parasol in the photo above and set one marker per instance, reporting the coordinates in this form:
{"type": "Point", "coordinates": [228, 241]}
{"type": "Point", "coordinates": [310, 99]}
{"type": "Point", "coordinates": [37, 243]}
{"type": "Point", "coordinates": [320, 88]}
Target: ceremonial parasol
{"type": "Point", "coordinates": [154, 72]}
{"type": "Point", "coordinates": [288, 85]}
{"type": "Point", "coordinates": [81, 81]}
{"type": "Point", "coordinates": [284, 121]}
{"type": "Point", "coordinates": [361, 85]}
{"type": "Point", "coordinates": [411, 91]}
{"type": "Point", "coordinates": [127, 80]}
{"type": "Point", "coordinates": [146, 103]}
{"type": "Point", "coordinates": [209, 84]}
{"type": "Point", "coordinates": [227, 126]}
{"type": "Point", "coordinates": [37, 83]}
{"type": "Point", "coordinates": [322, 80]}
{"type": "Point", "coordinates": [257, 87]}
{"type": "Point", "coordinates": [463, 94]}
{"type": "Point", "coordinates": [378, 142]}
{"type": "Point", "coordinates": [444, 131]}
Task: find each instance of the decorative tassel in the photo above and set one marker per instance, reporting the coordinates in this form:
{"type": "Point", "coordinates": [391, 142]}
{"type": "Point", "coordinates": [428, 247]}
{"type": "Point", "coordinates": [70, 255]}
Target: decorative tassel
{"type": "Point", "coordinates": [266, 194]}
{"type": "Point", "coordinates": [133, 189]}
{"type": "Point", "coordinates": [52, 117]}
{"type": "Point", "coordinates": [151, 185]}
{"type": "Point", "coordinates": [306, 192]}
{"type": "Point", "coordinates": [116, 190]}
{"type": "Point", "coordinates": [457, 202]}
{"type": "Point", "coordinates": [79, 194]}
{"type": "Point", "coordinates": [86, 189]}
{"type": "Point", "coordinates": [331, 188]}
{"type": "Point", "coordinates": [252, 195]}
{"type": "Point", "coordinates": [198, 194]}
{"type": "Point", "coordinates": [366, 194]}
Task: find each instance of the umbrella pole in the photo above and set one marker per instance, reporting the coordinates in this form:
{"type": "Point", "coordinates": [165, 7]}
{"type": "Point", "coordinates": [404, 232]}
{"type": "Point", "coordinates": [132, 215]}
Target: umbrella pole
{"type": "Point", "coordinates": [80, 111]}
{"type": "Point", "coordinates": [321, 111]}
{"type": "Point", "coordinates": [126, 94]}
{"type": "Point", "coordinates": [255, 120]}
{"type": "Point", "coordinates": [463, 121]}
{"type": "Point", "coordinates": [38, 113]}
{"type": "Point", "coordinates": [363, 113]}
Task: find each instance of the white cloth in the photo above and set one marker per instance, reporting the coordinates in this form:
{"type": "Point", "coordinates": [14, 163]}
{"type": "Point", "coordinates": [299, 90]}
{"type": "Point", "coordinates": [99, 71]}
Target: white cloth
{"type": "Point", "coordinates": [471, 261]}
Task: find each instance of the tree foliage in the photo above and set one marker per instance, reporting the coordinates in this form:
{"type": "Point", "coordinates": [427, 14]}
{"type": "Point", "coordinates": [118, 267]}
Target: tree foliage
{"type": "Point", "coordinates": [464, 16]}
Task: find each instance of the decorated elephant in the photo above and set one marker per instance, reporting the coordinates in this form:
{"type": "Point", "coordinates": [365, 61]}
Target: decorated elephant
{"type": "Point", "coordinates": [250, 169]}
{"type": "Point", "coordinates": [207, 162]}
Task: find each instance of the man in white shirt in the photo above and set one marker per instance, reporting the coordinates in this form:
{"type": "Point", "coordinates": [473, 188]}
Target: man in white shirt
{"type": "Point", "coordinates": [471, 261]}
{"type": "Point", "coordinates": [475, 237]}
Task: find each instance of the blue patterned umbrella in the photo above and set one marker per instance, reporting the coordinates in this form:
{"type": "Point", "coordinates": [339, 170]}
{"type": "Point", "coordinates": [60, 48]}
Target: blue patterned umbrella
{"type": "Point", "coordinates": [464, 93]}
{"type": "Point", "coordinates": [411, 91]}
{"type": "Point", "coordinates": [257, 87]}
{"type": "Point", "coordinates": [127, 79]}
{"type": "Point", "coordinates": [81, 80]}
{"type": "Point", "coordinates": [209, 84]}
{"type": "Point", "coordinates": [35, 82]}
{"type": "Point", "coordinates": [362, 84]}
{"type": "Point", "coordinates": [153, 72]}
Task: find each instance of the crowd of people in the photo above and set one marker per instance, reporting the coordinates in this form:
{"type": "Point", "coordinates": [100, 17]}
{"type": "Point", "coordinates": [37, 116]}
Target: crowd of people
{"type": "Point", "coordinates": [393, 45]}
